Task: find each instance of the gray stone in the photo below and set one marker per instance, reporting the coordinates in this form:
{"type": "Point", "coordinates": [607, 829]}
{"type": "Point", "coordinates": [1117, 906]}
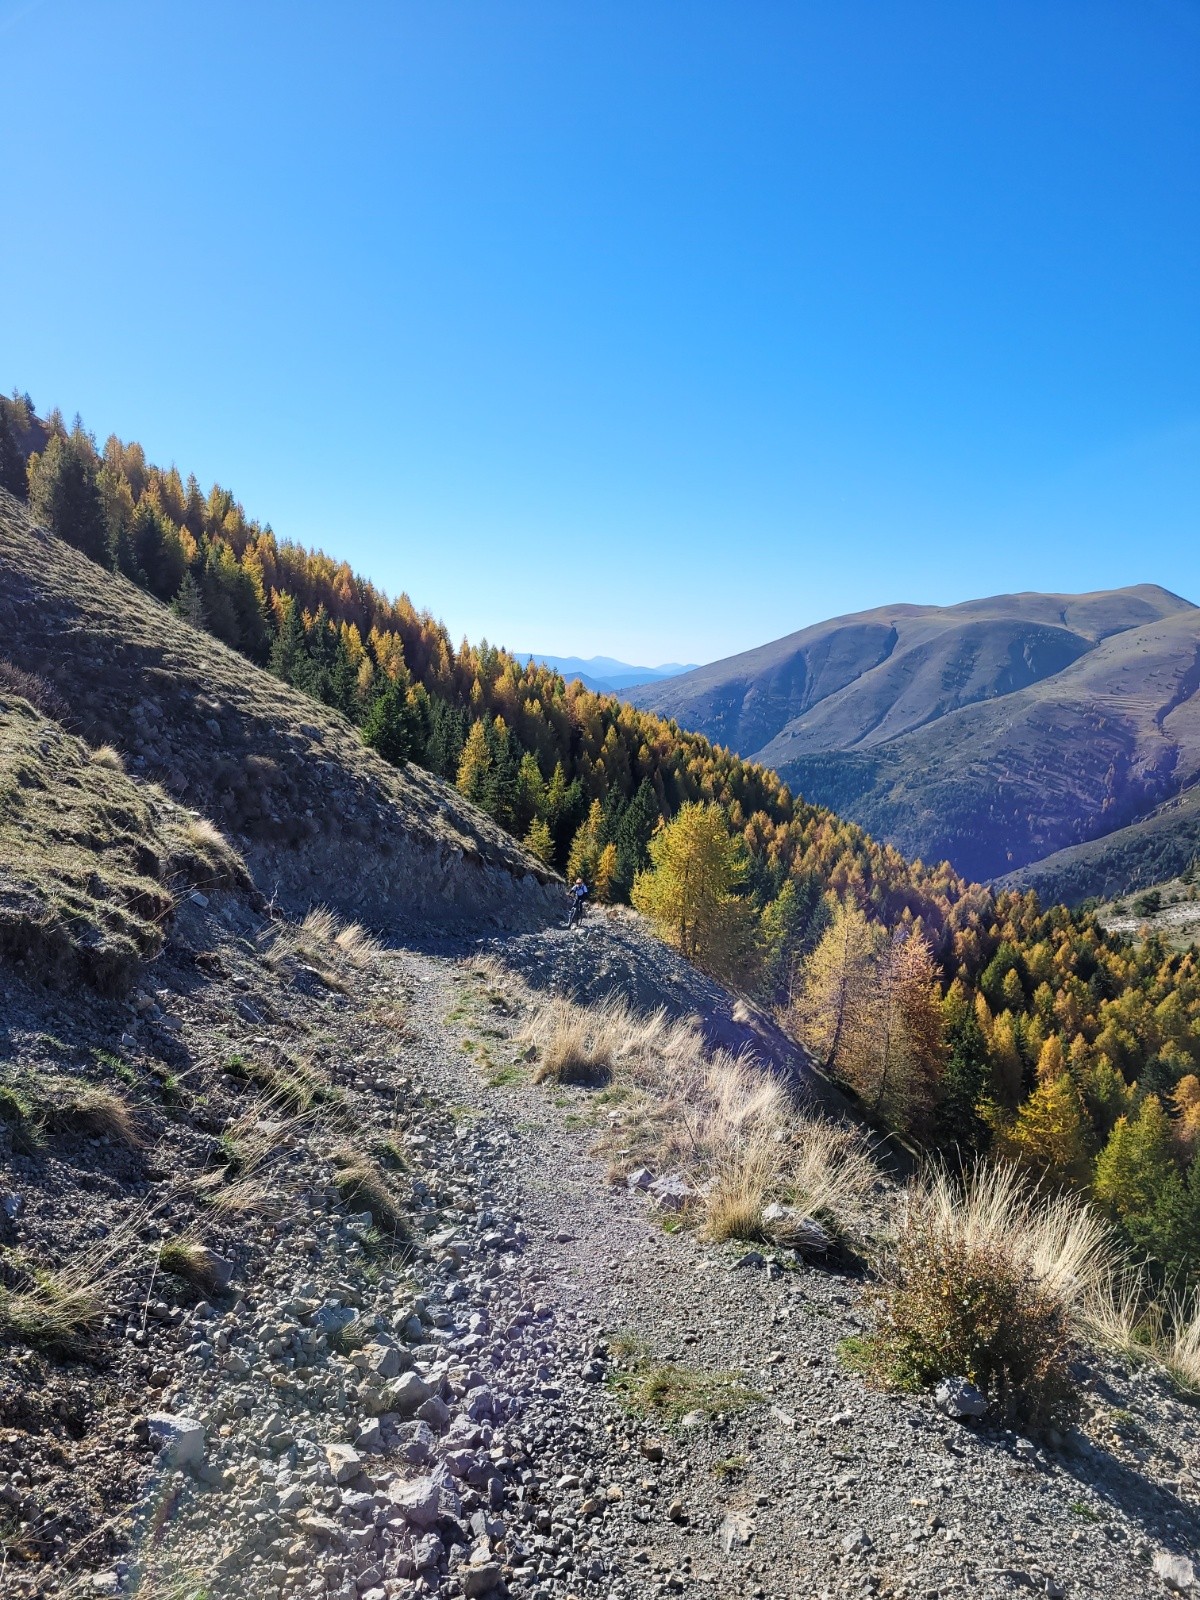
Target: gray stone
{"type": "Point", "coordinates": [180, 1439]}
{"type": "Point", "coordinates": [408, 1392]}
{"type": "Point", "coordinates": [418, 1502]}
{"type": "Point", "coordinates": [1177, 1572]}
{"type": "Point", "coordinates": [955, 1397]}
{"type": "Point", "coordinates": [343, 1461]}
{"type": "Point", "coordinates": [478, 1580]}
{"type": "Point", "coordinates": [857, 1542]}
{"type": "Point", "coordinates": [370, 1435]}
{"type": "Point", "coordinates": [381, 1359]}
{"type": "Point", "coordinates": [640, 1178]}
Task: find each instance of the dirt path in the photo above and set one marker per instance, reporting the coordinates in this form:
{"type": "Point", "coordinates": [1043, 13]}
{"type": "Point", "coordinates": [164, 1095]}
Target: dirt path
{"type": "Point", "coordinates": [811, 1483]}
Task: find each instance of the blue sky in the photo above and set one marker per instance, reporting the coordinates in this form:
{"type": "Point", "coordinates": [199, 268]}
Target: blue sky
{"type": "Point", "coordinates": [650, 329]}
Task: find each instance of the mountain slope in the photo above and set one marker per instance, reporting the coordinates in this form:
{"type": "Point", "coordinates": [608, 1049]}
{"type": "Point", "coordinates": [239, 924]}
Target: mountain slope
{"type": "Point", "coordinates": [322, 818]}
{"type": "Point", "coordinates": [991, 733]}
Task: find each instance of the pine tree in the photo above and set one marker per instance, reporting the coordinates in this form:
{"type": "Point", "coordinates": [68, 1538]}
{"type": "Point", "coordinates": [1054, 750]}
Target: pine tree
{"type": "Point", "coordinates": [392, 725]}
{"type": "Point", "coordinates": [65, 497]}
{"type": "Point", "coordinates": [289, 651]}
{"type": "Point", "coordinates": [189, 603]}
{"type": "Point", "coordinates": [12, 461]}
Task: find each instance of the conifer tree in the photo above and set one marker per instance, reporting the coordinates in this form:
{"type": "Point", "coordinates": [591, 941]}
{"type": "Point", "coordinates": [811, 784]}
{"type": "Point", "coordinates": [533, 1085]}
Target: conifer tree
{"type": "Point", "coordinates": [836, 983]}
{"type": "Point", "coordinates": [392, 725]}
{"type": "Point", "coordinates": [539, 842]}
{"type": "Point", "coordinates": [189, 602]}
{"type": "Point", "coordinates": [688, 891]}
{"type": "Point", "coordinates": [65, 497]}
{"type": "Point", "coordinates": [289, 651]}
{"type": "Point", "coordinates": [12, 461]}
{"type": "Point", "coordinates": [1133, 1167]}
{"type": "Point", "coordinates": [475, 766]}
{"type": "Point", "coordinates": [1049, 1133]}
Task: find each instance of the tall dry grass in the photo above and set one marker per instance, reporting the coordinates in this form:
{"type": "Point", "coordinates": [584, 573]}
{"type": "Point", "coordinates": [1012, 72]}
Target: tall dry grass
{"type": "Point", "coordinates": [989, 1278]}
{"type": "Point", "coordinates": [1059, 1240]}
{"type": "Point", "coordinates": [720, 1120]}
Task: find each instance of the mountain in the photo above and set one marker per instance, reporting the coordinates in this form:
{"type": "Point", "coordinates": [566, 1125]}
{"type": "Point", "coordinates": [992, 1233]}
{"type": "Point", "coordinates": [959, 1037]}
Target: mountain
{"type": "Point", "coordinates": [993, 734]}
{"type": "Point", "coordinates": [602, 674]}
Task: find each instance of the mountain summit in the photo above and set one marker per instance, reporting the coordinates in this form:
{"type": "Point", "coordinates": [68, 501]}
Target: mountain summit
{"type": "Point", "coordinates": [992, 733]}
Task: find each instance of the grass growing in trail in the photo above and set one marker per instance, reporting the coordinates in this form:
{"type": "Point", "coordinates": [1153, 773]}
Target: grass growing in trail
{"type": "Point", "coordinates": [505, 1077]}
{"type": "Point", "coordinates": [730, 1467]}
{"type": "Point", "coordinates": [669, 1392]}
{"type": "Point", "coordinates": [294, 1087]}
{"type": "Point", "coordinates": [187, 1258]}
{"type": "Point", "coordinates": [363, 1185]}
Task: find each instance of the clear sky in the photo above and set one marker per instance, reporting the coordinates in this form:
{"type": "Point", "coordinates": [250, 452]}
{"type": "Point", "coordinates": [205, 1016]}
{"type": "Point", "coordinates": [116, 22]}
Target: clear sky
{"type": "Point", "coordinates": [656, 329]}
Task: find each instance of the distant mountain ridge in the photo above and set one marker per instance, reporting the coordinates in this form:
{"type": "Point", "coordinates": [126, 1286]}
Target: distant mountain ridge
{"type": "Point", "coordinates": [603, 674]}
{"type": "Point", "coordinates": [994, 733]}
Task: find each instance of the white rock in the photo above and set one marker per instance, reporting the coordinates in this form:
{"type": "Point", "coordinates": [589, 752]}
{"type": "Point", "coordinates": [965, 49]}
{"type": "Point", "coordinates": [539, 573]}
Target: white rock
{"type": "Point", "coordinates": [181, 1439]}
{"type": "Point", "coordinates": [1177, 1572]}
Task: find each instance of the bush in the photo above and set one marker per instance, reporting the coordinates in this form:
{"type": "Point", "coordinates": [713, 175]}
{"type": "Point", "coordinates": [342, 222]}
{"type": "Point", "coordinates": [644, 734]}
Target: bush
{"type": "Point", "coordinates": [983, 1283]}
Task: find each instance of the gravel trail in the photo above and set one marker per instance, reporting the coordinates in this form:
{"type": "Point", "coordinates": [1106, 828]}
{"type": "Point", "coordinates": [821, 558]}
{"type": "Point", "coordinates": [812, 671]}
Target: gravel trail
{"type": "Point", "coordinates": [820, 1486]}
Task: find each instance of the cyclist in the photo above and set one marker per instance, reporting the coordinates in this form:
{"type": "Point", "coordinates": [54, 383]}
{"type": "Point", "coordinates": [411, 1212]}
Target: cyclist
{"type": "Point", "coordinates": [579, 893]}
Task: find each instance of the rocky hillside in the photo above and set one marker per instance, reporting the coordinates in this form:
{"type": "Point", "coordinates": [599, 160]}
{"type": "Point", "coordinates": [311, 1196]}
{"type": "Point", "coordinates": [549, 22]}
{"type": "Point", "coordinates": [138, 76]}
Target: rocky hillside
{"type": "Point", "coordinates": [992, 734]}
{"type": "Point", "coordinates": [311, 1289]}
{"type": "Point", "coordinates": [321, 818]}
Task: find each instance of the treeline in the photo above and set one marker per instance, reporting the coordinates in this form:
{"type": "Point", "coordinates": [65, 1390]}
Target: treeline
{"type": "Point", "coordinates": [971, 1020]}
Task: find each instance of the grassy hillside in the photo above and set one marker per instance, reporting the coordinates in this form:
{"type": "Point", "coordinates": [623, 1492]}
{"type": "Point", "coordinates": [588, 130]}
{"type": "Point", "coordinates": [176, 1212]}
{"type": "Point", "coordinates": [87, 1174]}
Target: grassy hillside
{"type": "Point", "coordinates": [322, 818]}
{"type": "Point", "coordinates": [992, 733]}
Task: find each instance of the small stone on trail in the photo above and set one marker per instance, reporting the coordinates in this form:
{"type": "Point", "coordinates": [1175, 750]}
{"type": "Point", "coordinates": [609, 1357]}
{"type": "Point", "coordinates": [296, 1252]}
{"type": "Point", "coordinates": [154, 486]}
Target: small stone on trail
{"type": "Point", "coordinates": [955, 1397]}
{"type": "Point", "coordinates": [181, 1439]}
{"type": "Point", "coordinates": [1177, 1572]}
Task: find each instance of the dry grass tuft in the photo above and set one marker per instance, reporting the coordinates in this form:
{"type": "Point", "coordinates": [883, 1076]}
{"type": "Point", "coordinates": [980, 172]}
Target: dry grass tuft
{"type": "Point", "coordinates": [255, 1148]}
{"type": "Point", "coordinates": [358, 946]}
{"type": "Point", "coordinates": [290, 1088]}
{"type": "Point", "coordinates": [987, 1280]}
{"type": "Point", "coordinates": [1117, 1316]}
{"type": "Point", "coordinates": [721, 1121]}
{"type": "Point", "coordinates": [61, 1310]}
{"type": "Point", "coordinates": [96, 1113]}
{"type": "Point", "coordinates": [363, 1184]}
{"type": "Point", "coordinates": [329, 947]}
{"type": "Point", "coordinates": [1178, 1345]}
{"type": "Point", "coordinates": [187, 1258]}
{"type": "Point", "coordinates": [106, 755]}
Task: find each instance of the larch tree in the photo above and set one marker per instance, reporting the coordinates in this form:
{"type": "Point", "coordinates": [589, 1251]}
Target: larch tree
{"type": "Point", "coordinates": [475, 766]}
{"type": "Point", "coordinates": [836, 984]}
{"type": "Point", "coordinates": [696, 864]}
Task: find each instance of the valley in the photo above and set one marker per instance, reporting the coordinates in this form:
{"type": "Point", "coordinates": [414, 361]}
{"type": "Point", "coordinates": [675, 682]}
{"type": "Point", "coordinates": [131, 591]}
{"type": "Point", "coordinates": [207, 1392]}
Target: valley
{"type": "Point", "coordinates": [1028, 738]}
